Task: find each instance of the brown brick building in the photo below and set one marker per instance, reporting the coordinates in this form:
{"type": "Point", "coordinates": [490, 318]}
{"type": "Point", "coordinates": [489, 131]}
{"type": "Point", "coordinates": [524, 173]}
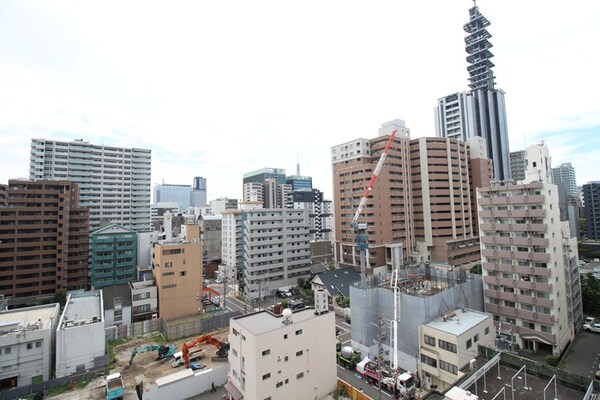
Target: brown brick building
{"type": "Point", "coordinates": [424, 197]}
{"type": "Point", "coordinates": [43, 240]}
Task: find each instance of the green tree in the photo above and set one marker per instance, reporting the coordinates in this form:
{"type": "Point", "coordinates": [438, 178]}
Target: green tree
{"type": "Point", "coordinates": [590, 293]}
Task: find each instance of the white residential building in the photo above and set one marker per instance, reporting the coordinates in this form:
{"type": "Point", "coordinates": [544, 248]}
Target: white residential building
{"type": "Point", "coordinates": [114, 182]}
{"type": "Point", "coordinates": [530, 285]}
{"type": "Point", "coordinates": [450, 342]}
{"type": "Point", "coordinates": [80, 339]}
{"type": "Point", "coordinates": [276, 357]}
{"type": "Point", "coordinates": [144, 300]}
{"type": "Point", "coordinates": [26, 342]}
{"type": "Point", "coordinates": [275, 248]}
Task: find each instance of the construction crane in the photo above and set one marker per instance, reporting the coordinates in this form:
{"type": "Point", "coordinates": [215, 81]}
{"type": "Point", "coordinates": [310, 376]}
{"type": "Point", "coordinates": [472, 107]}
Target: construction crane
{"type": "Point", "coordinates": [222, 348]}
{"type": "Point", "coordinates": [164, 351]}
{"type": "Point", "coordinates": [360, 228]}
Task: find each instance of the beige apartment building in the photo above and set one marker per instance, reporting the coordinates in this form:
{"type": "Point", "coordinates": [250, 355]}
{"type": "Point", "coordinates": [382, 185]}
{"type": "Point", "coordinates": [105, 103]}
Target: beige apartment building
{"type": "Point", "coordinates": [177, 268]}
{"type": "Point", "coordinates": [282, 357]}
{"type": "Point", "coordinates": [528, 258]}
{"type": "Point", "coordinates": [424, 198]}
{"type": "Point", "coordinates": [449, 343]}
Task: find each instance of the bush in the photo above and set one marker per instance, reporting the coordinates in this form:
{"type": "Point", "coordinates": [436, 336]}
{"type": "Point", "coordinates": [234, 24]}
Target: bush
{"type": "Point", "coordinates": [551, 360]}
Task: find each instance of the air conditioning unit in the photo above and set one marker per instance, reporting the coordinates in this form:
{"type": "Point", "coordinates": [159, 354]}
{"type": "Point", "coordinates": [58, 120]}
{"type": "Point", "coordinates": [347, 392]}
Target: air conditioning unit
{"type": "Point", "coordinates": [155, 316]}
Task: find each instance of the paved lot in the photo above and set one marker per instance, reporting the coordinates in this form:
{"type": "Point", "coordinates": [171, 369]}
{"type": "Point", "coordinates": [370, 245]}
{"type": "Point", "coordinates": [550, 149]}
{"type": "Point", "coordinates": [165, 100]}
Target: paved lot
{"type": "Point", "coordinates": [583, 357]}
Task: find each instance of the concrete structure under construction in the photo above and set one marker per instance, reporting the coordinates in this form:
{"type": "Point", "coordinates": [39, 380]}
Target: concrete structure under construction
{"type": "Point", "coordinates": [177, 267]}
{"type": "Point", "coordinates": [425, 293]}
{"type": "Point", "coordinates": [282, 356]}
{"type": "Point", "coordinates": [43, 241]}
{"type": "Point", "coordinates": [80, 341]}
{"type": "Point", "coordinates": [529, 260]}
{"type": "Point", "coordinates": [26, 345]}
{"type": "Point", "coordinates": [114, 181]}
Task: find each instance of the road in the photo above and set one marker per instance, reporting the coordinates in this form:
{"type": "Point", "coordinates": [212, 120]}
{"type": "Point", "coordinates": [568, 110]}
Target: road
{"type": "Point", "coordinates": [583, 357]}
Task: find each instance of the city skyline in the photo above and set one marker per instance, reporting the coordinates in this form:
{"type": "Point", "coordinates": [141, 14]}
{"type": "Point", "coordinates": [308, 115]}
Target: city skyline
{"type": "Point", "coordinates": [217, 91]}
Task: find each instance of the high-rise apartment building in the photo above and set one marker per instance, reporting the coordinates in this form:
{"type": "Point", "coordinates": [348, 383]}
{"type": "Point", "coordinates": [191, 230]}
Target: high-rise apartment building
{"type": "Point", "coordinates": [217, 206]}
{"type": "Point", "coordinates": [564, 175]}
{"type": "Point", "coordinates": [177, 267]}
{"type": "Point", "coordinates": [44, 234]}
{"type": "Point", "coordinates": [114, 182]}
{"type": "Point", "coordinates": [319, 212]}
{"type": "Point", "coordinates": [263, 174]}
{"type": "Point", "coordinates": [528, 260]}
{"type": "Point", "coordinates": [299, 182]}
{"type": "Point", "coordinates": [114, 256]}
{"type": "Point", "coordinates": [198, 192]}
{"type": "Point", "coordinates": [424, 198]}
{"type": "Point", "coordinates": [482, 111]}
{"type": "Point", "coordinates": [275, 249]}
{"type": "Point", "coordinates": [591, 198]}
{"type": "Point", "coordinates": [167, 193]}
{"type": "Point", "coordinates": [518, 164]}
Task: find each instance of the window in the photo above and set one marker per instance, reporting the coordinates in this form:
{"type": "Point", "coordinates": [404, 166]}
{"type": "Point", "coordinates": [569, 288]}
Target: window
{"type": "Point", "coordinates": [487, 330]}
{"type": "Point", "coordinates": [447, 346]}
{"type": "Point", "coordinates": [449, 367]}
{"type": "Point", "coordinates": [476, 338]}
{"type": "Point", "coordinates": [430, 340]}
{"type": "Point", "coordinates": [300, 375]}
{"type": "Point", "coordinates": [182, 273]}
{"type": "Point", "coordinates": [117, 301]}
{"type": "Point", "coordinates": [168, 264]}
{"type": "Point", "coordinates": [429, 361]}
{"type": "Point", "coordinates": [29, 346]}
{"type": "Point", "coordinates": [7, 350]}
{"type": "Point", "coordinates": [299, 353]}
{"type": "Point", "coordinates": [266, 376]}
{"type": "Point", "coordinates": [141, 296]}
{"type": "Point", "coordinates": [266, 352]}
{"type": "Point", "coordinates": [279, 384]}
{"type": "Point", "coordinates": [299, 332]}
{"type": "Point", "coordinates": [469, 344]}
{"type": "Point", "coordinates": [287, 381]}
{"type": "Point", "coordinates": [235, 332]}
{"type": "Point", "coordinates": [141, 309]}
{"type": "Point", "coordinates": [234, 351]}
{"type": "Point", "coordinates": [118, 315]}
{"type": "Point", "coordinates": [168, 273]}
{"type": "Point", "coordinates": [172, 285]}
{"type": "Point", "coordinates": [285, 336]}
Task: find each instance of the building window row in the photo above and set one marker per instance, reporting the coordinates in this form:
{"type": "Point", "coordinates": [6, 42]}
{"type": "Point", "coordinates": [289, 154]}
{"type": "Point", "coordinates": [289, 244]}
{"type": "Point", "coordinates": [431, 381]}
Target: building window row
{"type": "Point", "coordinates": [451, 347]}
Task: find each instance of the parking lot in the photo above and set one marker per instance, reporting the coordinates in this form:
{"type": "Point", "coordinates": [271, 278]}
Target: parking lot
{"type": "Point", "coordinates": [583, 358]}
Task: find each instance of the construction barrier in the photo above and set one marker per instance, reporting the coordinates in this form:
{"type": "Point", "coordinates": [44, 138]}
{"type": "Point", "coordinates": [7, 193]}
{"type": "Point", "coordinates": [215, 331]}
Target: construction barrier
{"type": "Point", "coordinates": [350, 391]}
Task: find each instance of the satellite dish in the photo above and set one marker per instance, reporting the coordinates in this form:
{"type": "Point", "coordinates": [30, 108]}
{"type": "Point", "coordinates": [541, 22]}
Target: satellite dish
{"type": "Point", "coordinates": [287, 313]}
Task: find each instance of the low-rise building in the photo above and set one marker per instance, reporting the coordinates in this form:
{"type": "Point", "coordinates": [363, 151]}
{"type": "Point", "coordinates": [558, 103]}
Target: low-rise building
{"type": "Point", "coordinates": [336, 282]}
{"type": "Point", "coordinates": [144, 300]}
{"type": "Point", "coordinates": [80, 341]}
{"type": "Point", "coordinates": [288, 356]}
{"type": "Point", "coordinates": [26, 342]}
{"type": "Point", "coordinates": [117, 305]}
{"type": "Point", "coordinates": [449, 342]}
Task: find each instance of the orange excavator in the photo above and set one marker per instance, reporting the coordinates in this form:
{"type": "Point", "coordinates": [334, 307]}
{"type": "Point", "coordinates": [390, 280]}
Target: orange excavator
{"type": "Point", "coordinates": [222, 348]}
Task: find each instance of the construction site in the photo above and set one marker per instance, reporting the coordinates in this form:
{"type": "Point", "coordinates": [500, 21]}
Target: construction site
{"type": "Point", "coordinates": [147, 361]}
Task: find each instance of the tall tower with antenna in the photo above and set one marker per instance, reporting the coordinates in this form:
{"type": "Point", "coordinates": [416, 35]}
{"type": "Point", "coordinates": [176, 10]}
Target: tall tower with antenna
{"type": "Point", "coordinates": [481, 111]}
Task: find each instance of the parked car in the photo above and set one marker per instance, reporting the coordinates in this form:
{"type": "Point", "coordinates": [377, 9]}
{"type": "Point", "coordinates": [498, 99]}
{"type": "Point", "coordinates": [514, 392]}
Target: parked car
{"type": "Point", "coordinates": [283, 293]}
{"type": "Point", "coordinates": [592, 327]}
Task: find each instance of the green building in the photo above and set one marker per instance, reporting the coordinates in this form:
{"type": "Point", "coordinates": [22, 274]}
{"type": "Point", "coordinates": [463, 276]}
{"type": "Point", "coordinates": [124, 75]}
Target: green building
{"type": "Point", "coordinates": [114, 256]}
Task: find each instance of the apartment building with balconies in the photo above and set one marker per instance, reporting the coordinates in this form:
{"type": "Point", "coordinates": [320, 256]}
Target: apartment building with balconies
{"type": "Point", "coordinates": [527, 258]}
{"type": "Point", "coordinates": [114, 256]}
{"type": "Point", "coordinates": [44, 235]}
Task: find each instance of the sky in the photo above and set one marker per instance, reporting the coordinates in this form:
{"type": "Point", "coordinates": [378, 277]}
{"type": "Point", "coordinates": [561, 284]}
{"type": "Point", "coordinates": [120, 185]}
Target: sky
{"type": "Point", "coordinates": [221, 88]}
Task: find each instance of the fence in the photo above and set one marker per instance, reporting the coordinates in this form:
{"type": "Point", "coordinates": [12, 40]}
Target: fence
{"type": "Point", "coordinates": [349, 391]}
{"type": "Point", "coordinates": [135, 329]}
{"type": "Point", "coordinates": [72, 380]}
{"type": "Point", "coordinates": [174, 330]}
{"type": "Point", "coordinates": [565, 378]}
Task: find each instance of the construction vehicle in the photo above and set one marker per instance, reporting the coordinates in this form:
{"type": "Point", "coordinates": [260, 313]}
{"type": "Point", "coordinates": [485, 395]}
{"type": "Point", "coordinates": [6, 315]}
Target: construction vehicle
{"type": "Point", "coordinates": [348, 357]}
{"type": "Point", "coordinates": [164, 351]}
{"type": "Point", "coordinates": [115, 390]}
{"type": "Point", "coordinates": [222, 348]}
{"type": "Point", "coordinates": [193, 354]}
{"type": "Point", "coordinates": [399, 384]}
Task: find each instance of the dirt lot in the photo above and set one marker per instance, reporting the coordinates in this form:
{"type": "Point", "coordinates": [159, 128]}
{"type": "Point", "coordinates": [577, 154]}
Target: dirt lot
{"type": "Point", "coordinates": [144, 367]}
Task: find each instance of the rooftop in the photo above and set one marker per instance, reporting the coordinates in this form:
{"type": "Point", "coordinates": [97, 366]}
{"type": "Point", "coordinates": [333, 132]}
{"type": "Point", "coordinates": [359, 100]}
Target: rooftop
{"type": "Point", "coordinates": [29, 318]}
{"type": "Point", "coordinates": [263, 321]}
{"type": "Point", "coordinates": [82, 308]}
{"type": "Point", "coordinates": [459, 321]}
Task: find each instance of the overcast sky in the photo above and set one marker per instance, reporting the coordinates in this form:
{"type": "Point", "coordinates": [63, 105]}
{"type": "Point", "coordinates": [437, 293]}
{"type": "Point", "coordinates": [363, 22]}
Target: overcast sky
{"type": "Point", "coordinates": [221, 88]}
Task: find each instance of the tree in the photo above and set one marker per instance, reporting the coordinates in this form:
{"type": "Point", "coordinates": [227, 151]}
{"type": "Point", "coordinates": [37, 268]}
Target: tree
{"type": "Point", "coordinates": [590, 293]}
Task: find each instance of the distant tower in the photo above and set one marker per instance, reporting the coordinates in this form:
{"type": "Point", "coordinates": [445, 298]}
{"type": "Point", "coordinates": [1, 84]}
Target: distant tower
{"type": "Point", "coordinates": [480, 112]}
{"type": "Point", "coordinates": [198, 192]}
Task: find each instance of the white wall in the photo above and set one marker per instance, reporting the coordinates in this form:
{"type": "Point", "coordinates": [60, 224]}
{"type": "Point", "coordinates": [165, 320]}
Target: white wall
{"type": "Point", "coordinates": [144, 247]}
{"type": "Point", "coordinates": [188, 386]}
{"type": "Point", "coordinates": [79, 345]}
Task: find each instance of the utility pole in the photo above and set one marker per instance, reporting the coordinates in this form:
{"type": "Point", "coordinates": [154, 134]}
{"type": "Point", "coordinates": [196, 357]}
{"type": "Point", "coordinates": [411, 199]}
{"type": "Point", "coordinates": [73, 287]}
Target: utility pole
{"type": "Point", "coordinates": [380, 324]}
{"type": "Point", "coordinates": [225, 293]}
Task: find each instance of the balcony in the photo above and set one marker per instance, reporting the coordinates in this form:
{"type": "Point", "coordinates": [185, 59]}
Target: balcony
{"type": "Point", "coordinates": [517, 241]}
{"type": "Point", "coordinates": [522, 270]}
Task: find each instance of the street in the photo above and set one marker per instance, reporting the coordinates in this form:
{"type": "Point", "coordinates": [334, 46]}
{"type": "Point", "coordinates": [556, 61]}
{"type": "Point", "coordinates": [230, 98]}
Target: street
{"type": "Point", "coordinates": [583, 358]}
